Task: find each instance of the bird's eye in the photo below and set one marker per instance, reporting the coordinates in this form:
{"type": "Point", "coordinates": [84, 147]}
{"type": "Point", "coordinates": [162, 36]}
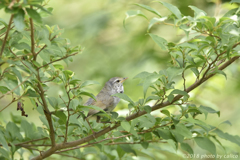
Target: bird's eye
{"type": "Point", "coordinates": [118, 81]}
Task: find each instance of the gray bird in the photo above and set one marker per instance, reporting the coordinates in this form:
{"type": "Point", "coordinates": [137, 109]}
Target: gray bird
{"type": "Point", "coordinates": [104, 99]}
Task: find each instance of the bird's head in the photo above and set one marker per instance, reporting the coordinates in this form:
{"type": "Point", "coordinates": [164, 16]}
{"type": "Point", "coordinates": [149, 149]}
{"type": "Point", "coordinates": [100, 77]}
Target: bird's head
{"type": "Point", "coordinates": [115, 85]}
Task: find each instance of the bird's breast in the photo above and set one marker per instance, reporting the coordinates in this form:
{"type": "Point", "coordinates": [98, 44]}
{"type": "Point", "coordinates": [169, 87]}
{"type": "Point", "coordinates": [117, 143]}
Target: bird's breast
{"type": "Point", "coordinates": [111, 104]}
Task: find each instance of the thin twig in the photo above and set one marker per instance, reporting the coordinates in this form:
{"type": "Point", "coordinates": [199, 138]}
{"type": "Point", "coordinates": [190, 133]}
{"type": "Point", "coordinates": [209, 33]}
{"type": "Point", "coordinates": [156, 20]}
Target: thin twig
{"type": "Point", "coordinates": [6, 36]}
{"type": "Point", "coordinates": [68, 112]}
{"type": "Point", "coordinates": [59, 59]}
{"type": "Point", "coordinates": [13, 100]}
{"type": "Point", "coordinates": [45, 45]}
{"type": "Point", "coordinates": [32, 38]}
{"type": "Point", "coordinates": [15, 87]}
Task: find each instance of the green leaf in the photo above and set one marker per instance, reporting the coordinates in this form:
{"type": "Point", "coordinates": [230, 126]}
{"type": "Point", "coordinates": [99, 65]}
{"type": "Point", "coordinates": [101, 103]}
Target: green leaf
{"type": "Point", "coordinates": [132, 14]}
{"type": "Point", "coordinates": [161, 42]}
{"type": "Point", "coordinates": [235, 1]}
{"type": "Point", "coordinates": [45, 55]}
{"type": "Point", "coordinates": [142, 75]}
{"type": "Point", "coordinates": [183, 130]}
{"type": "Point", "coordinates": [188, 45]}
{"type": "Point", "coordinates": [145, 145]}
{"type": "Point", "coordinates": [15, 38]}
{"type": "Point", "coordinates": [126, 126]}
{"type": "Point", "coordinates": [4, 89]}
{"type": "Point", "coordinates": [120, 152]}
{"type": "Point", "coordinates": [31, 93]}
{"type": "Point", "coordinates": [178, 137]}
{"type": "Point", "coordinates": [173, 9]}
{"type": "Point", "coordinates": [127, 149]}
{"type": "Point", "coordinates": [95, 108]}
{"type": "Point", "coordinates": [234, 139]}
{"type": "Point", "coordinates": [88, 94]}
{"type": "Point", "coordinates": [14, 130]}
{"type": "Point", "coordinates": [195, 71]}
{"type": "Point", "coordinates": [53, 102]}
{"type": "Point", "coordinates": [173, 72]}
{"type": "Point", "coordinates": [207, 110]}
{"type": "Point", "coordinates": [34, 15]}
{"type": "Point", "coordinates": [148, 136]}
{"type": "Point", "coordinates": [26, 126]}
{"type": "Point", "coordinates": [146, 121]}
{"type": "Point", "coordinates": [152, 98]}
{"type": "Point", "coordinates": [147, 108]}
{"type": "Point", "coordinates": [21, 46]}
{"type": "Point", "coordinates": [68, 74]}
{"type": "Point", "coordinates": [57, 66]}
{"type": "Point", "coordinates": [206, 144]}
{"type": "Point", "coordinates": [149, 9]}
{"type": "Point", "coordinates": [74, 81]}
{"type": "Point", "coordinates": [3, 141]}
{"type": "Point", "coordinates": [165, 134]}
{"type": "Point", "coordinates": [227, 122]}
{"type": "Point", "coordinates": [180, 92]}
{"type": "Point", "coordinates": [4, 153]}
{"type": "Point", "coordinates": [17, 73]}
{"type": "Point", "coordinates": [221, 72]}
{"type": "Point", "coordinates": [154, 21]}
{"type": "Point", "coordinates": [148, 81]}
{"type": "Point", "coordinates": [44, 121]}
{"type": "Point", "coordinates": [198, 122]}
{"type": "Point", "coordinates": [88, 83]}
{"type": "Point", "coordinates": [48, 10]}
{"type": "Point", "coordinates": [187, 148]}
{"type": "Point", "coordinates": [114, 115]}
{"type": "Point", "coordinates": [18, 20]}
{"type": "Point", "coordinates": [197, 12]}
{"type": "Point", "coordinates": [62, 117]}
{"type": "Point", "coordinates": [124, 97]}
{"type": "Point", "coordinates": [166, 112]}
{"type": "Point", "coordinates": [170, 97]}
{"type": "Point", "coordinates": [172, 143]}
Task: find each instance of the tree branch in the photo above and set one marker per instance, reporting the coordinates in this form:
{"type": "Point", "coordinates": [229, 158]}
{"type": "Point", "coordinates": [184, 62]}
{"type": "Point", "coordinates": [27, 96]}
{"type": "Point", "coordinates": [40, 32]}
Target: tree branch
{"type": "Point", "coordinates": [6, 36]}
{"type": "Point", "coordinates": [68, 117]}
{"type": "Point", "coordinates": [46, 111]}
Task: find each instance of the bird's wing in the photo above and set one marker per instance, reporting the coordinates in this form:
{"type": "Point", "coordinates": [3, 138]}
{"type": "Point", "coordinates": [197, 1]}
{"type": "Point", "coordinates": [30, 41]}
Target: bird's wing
{"type": "Point", "coordinates": [89, 102]}
{"type": "Point", "coordinates": [99, 104]}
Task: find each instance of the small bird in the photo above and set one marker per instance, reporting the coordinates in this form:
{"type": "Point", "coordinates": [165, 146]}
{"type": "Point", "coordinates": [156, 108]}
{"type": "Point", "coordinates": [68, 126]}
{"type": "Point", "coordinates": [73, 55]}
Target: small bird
{"type": "Point", "coordinates": [104, 99]}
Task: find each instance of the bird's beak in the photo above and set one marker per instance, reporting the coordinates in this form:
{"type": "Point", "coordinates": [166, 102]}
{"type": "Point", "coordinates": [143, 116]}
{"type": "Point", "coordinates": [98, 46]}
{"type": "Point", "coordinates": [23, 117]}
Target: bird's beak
{"type": "Point", "coordinates": [124, 79]}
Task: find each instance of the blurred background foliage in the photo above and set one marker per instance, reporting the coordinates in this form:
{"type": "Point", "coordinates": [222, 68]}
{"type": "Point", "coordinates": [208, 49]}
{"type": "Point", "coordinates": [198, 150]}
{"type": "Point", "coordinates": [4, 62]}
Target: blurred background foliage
{"type": "Point", "coordinates": [112, 50]}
